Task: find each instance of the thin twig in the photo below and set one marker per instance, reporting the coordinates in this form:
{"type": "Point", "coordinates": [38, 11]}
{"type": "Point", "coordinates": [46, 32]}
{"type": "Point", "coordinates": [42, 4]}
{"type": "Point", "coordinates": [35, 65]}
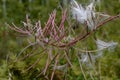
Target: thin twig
{"type": "Point", "coordinates": [33, 65]}
{"type": "Point", "coordinates": [31, 54]}
{"type": "Point", "coordinates": [91, 76]}
{"type": "Point", "coordinates": [93, 65]}
{"type": "Point", "coordinates": [99, 69]}
{"type": "Point", "coordinates": [56, 61]}
{"type": "Point", "coordinates": [67, 58]}
{"type": "Point", "coordinates": [48, 65]}
{"type": "Point", "coordinates": [32, 44]}
{"type": "Point", "coordinates": [81, 68]}
{"type": "Point", "coordinates": [87, 34]}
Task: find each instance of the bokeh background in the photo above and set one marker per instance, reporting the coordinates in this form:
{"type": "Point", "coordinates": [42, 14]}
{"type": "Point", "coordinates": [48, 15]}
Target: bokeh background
{"type": "Point", "coordinates": [14, 11]}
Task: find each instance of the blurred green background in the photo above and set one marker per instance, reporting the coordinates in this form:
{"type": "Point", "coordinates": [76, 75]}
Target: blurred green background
{"type": "Point", "coordinates": [14, 11]}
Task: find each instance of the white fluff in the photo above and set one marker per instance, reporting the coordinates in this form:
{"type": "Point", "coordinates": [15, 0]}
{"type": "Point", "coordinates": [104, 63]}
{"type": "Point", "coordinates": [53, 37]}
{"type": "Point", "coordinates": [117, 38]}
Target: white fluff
{"type": "Point", "coordinates": [102, 45]}
{"type": "Point", "coordinates": [84, 15]}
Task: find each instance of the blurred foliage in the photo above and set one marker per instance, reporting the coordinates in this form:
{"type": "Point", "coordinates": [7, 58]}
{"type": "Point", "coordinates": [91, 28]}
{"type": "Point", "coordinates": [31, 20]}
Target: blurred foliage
{"type": "Point", "coordinates": [10, 44]}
